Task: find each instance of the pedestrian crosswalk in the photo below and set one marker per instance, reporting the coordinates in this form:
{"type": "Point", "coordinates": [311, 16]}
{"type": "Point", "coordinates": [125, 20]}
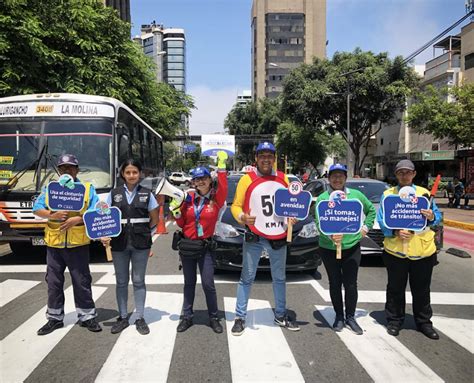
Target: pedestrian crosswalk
{"type": "Point", "coordinates": [264, 352]}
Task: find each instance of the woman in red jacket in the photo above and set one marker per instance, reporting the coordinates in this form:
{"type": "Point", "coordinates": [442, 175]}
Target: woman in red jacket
{"type": "Point", "coordinates": [197, 216]}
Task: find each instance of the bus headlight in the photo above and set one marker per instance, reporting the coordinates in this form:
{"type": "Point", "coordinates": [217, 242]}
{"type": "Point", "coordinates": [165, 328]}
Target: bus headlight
{"type": "Point", "coordinates": [310, 230]}
{"type": "Point", "coordinates": [225, 230]}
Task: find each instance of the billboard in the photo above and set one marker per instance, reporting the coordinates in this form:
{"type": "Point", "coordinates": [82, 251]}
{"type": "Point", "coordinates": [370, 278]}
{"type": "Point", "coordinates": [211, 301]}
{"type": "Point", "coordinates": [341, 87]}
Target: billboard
{"type": "Point", "coordinates": [212, 143]}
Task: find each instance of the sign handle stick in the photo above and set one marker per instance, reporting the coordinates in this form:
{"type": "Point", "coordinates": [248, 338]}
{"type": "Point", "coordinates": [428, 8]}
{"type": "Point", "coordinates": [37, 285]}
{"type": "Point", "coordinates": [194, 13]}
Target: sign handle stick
{"type": "Point", "coordinates": [289, 233]}
{"type": "Point", "coordinates": [108, 252]}
{"type": "Point", "coordinates": [405, 246]}
{"type": "Point", "coordinates": [338, 251]}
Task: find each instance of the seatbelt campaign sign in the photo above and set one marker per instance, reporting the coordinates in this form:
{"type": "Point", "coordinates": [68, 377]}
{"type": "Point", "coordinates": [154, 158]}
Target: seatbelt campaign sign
{"type": "Point", "coordinates": [65, 194]}
{"type": "Point", "coordinates": [104, 221]}
{"type": "Point", "coordinates": [292, 202]}
{"type": "Point", "coordinates": [402, 211]}
{"type": "Point", "coordinates": [339, 215]}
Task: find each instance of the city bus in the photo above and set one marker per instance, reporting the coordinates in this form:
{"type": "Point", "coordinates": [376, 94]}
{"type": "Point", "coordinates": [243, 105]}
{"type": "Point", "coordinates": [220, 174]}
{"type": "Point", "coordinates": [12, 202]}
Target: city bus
{"type": "Point", "coordinates": [36, 129]}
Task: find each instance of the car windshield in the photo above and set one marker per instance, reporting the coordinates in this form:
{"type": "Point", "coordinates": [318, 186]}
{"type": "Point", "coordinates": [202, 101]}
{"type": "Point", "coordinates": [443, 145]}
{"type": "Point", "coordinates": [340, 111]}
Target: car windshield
{"type": "Point", "coordinates": [232, 186]}
{"type": "Point", "coordinates": [372, 190]}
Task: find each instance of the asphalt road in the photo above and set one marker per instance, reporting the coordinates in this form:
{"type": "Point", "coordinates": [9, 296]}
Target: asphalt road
{"type": "Point", "coordinates": [264, 352]}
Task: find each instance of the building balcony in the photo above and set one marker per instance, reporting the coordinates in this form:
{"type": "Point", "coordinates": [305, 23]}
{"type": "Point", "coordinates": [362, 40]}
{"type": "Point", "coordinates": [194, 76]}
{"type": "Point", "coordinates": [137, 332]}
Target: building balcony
{"type": "Point", "coordinates": [442, 64]}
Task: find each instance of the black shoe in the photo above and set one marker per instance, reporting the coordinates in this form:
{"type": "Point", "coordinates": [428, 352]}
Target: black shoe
{"type": "Point", "coordinates": [286, 323]}
{"type": "Point", "coordinates": [142, 327]}
{"type": "Point", "coordinates": [120, 325]}
{"type": "Point", "coordinates": [393, 329]}
{"type": "Point", "coordinates": [91, 325]}
{"type": "Point", "coordinates": [49, 327]}
{"type": "Point", "coordinates": [429, 332]}
{"type": "Point", "coordinates": [216, 325]}
{"type": "Point", "coordinates": [184, 324]}
{"type": "Point", "coordinates": [354, 326]}
{"type": "Point", "coordinates": [338, 324]}
{"type": "Point", "coordinates": [238, 327]}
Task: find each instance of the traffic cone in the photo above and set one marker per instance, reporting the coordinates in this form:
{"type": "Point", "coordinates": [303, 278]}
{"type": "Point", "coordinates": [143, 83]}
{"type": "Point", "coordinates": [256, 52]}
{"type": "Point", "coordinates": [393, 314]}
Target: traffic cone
{"type": "Point", "coordinates": [161, 229]}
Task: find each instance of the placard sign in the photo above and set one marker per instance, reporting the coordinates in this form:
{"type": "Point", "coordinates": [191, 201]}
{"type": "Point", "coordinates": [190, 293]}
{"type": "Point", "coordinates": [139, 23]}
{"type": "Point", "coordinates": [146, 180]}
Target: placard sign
{"type": "Point", "coordinates": [65, 194]}
{"type": "Point", "coordinates": [292, 202]}
{"type": "Point", "coordinates": [339, 215]}
{"type": "Point", "coordinates": [402, 211]}
{"type": "Point", "coordinates": [104, 221]}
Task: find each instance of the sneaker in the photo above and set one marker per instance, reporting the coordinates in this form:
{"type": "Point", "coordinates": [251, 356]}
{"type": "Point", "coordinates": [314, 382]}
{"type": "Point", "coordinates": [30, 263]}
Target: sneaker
{"type": "Point", "coordinates": [352, 324]}
{"type": "Point", "coordinates": [216, 325]}
{"type": "Point", "coordinates": [184, 324]}
{"type": "Point", "coordinates": [49, 327]}
{"type": "Point", "coordinates": [393, 329]}
{"type": "Point", "coordinates": [91, 325]}
{"type": "Point", "coordinates": [338, 324]}
{"type": "Point", "coordinates": [286, 323]}
{"type": "Point", "coordinates": [142, 327]}
{"type": "Point", "coordinates": [120, 325]}
{"type": "Point", "coordinates": [238, 327]}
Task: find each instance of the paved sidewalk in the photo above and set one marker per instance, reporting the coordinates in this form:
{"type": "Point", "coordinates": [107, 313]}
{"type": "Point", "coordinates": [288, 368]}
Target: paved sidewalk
{"type": "Point", "coordinates": [460, 218]}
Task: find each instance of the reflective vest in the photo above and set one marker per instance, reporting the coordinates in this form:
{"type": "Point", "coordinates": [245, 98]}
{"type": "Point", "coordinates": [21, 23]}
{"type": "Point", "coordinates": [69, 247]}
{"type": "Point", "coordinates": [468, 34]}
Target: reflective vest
{"type": "Point", "coordinates": [73, 237]}
{"type": "Point", "coordinates": [421, 244]}
{"type": "Point", "coordinates": [135, 219]}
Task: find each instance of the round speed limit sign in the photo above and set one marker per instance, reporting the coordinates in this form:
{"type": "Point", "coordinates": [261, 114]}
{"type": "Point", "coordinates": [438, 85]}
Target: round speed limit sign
{"type": "Point", "coordinates": [295, 187]}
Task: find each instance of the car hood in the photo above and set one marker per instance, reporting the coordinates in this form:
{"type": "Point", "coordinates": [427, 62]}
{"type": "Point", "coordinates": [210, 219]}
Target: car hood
{"type": "Point", "coordinates": [229, 219]}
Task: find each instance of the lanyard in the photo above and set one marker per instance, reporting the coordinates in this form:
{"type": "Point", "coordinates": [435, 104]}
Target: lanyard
{"type": "Point", "coordinates": [198, 209]}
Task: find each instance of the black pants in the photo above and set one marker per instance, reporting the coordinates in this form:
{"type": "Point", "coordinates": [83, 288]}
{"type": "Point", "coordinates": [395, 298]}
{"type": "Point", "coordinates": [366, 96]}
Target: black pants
{"type": "Point", "coordinates": [342, 272]}
{"type": "Point", "coordinates": [206, 268]}
{"type": "Point", "coordinates": [399, 271]}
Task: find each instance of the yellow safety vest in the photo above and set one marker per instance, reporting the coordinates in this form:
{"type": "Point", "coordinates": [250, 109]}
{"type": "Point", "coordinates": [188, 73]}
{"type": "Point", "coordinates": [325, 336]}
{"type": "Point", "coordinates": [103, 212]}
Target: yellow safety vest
{"type": "Point", "coordinates": [73, 237]}
{"type": "Point", "coordinates": [421, 244]}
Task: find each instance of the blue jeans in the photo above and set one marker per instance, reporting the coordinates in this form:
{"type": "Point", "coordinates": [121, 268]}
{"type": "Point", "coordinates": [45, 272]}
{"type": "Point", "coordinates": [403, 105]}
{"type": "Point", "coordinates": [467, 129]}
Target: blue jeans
{"type": "Point", "coordinates": [251, 255]}
{"type": "Point", "coordinates": [121, 261]}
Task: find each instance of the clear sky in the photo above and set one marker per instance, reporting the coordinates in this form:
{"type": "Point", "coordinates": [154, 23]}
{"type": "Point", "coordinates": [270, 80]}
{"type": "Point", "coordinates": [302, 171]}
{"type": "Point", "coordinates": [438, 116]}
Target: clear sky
{"type": "Point", "coordinates": [218, 45]}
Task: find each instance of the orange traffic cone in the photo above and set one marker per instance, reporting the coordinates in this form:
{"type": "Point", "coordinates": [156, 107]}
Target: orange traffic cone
{"type": "Point", "coordinates": [161, 229]}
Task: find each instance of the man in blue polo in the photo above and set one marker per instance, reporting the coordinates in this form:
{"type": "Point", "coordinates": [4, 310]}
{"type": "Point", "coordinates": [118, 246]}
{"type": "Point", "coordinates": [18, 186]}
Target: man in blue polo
{"type": "Point", "coordinates": [67, 246]}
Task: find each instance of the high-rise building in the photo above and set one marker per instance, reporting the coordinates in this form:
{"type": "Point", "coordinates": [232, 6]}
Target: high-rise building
{"type": "Point", "coordinates": [122, 6]}
{"type": "Point", "coordinates": [167, 48]}
{"type": "Point", "coordinates": [244, 98]}
{"type": "Point", "coordinates": [285, 34]}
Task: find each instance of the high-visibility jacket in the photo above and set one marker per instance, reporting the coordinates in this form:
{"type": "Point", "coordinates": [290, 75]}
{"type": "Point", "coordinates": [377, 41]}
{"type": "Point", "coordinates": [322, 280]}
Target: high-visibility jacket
{"type": "Point", "coordinates": [421, 244]}
{"type": "Point", "coordinates": [73, 237]}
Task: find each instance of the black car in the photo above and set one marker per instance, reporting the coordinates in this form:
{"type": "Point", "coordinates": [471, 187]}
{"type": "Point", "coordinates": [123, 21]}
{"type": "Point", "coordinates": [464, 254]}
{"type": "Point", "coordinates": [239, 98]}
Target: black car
{"type": "Point", "coordinates": [229, 235]}
{"type": "Point", "coordinates": [372, 244]}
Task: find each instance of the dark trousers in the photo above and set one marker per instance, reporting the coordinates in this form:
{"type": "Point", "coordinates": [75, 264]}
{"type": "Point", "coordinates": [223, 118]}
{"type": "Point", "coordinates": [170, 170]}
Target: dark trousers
{"type": "Point", "coordinates": [399, 271]}
{"type": "Point", "coordinates": [342, 272]}
{"type": "Point", "coordinates": [206, 269]}
{"type": "Point", "coordinates": [77, 261]}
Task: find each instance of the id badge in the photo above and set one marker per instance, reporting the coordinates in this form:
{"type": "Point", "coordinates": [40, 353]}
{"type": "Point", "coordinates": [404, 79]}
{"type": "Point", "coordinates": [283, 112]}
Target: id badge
{"type": "Point", "coordinates": [200, 231]}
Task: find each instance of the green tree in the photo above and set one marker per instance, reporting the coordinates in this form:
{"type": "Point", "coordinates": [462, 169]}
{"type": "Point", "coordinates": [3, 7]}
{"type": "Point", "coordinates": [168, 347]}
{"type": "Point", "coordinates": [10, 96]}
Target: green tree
{"type": "Point", "coordinates": [80, 46]}
{"type": "Point", "coordinates": [445, 113]}
{"type": "Point", "coordinates": [314, 96]}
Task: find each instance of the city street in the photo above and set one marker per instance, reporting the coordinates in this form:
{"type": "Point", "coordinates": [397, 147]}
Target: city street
{"type": "Point", "coordinates": [264, 352]}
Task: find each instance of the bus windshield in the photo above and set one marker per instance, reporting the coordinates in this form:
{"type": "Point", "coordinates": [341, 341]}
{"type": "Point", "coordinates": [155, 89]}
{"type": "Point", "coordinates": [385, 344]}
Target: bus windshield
{"type": "Point", "coordinates": [29, 150]}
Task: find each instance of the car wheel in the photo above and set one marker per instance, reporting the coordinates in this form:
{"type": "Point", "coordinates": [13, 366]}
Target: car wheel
{"type": "Point", "coordinates": [187, 183]}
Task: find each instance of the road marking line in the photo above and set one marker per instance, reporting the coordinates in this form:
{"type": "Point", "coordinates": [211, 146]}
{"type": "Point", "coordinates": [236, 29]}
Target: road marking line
{"type": "Point", "coordinates": [382, 356]}
{"type": "Point", "coordinates": [139, 358]}
{"type": "Point", "coordinates": [23, 350]}
{"type": "Point", "coordinates": [261, 353]}
{"type": "Point", "coordinates": [108, 268]}
{"type": "Point", "coordinates": [459, 330]}
{"type": "Point", "coordinates": [173, 279]}
{"type": "Point", "coordinates": [13, 288]}
{"type": "Point", "coordinates": [372, 296]}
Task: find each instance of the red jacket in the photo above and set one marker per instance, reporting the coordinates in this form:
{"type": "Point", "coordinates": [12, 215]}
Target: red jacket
{"type": "Point", "coordinates": [210, 212]}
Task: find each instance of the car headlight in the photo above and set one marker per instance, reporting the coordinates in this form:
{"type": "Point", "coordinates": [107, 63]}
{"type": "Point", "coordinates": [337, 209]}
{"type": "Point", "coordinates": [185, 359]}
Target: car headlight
{"type": "Point", "coordinates": [310, 230]}
{"type": "Point", "coordinates": [224, 230]}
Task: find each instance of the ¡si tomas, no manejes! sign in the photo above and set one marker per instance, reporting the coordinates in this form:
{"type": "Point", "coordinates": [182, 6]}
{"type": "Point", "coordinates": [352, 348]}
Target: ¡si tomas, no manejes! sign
{"type": "Point", "coordinates": [339, 215]}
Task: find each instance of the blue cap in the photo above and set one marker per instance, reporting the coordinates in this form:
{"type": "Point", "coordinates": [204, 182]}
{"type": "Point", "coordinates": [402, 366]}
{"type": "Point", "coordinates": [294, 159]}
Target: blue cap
{"type": "Point", "coordinates": [265, 146]}
{"type": "Point", "coordinates": [339, 167]}
{"type": "Point", "coordinates": [199, 172]}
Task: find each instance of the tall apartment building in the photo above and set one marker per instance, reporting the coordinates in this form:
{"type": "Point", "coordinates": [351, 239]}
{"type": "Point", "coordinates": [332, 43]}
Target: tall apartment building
{"type": "Point", "coordinates": [244, 98]}
{"type": "Point", "coordinates": [285, 33]}
{"type": "Point", "coordinates": [167, 48]}
{"type": "Point", "coordinates": [122, 6]}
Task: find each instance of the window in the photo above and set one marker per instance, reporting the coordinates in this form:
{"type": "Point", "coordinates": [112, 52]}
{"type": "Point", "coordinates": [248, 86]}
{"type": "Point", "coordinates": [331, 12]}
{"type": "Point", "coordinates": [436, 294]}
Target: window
{"type": "Point", "coordinates": [175, 51]}
{"type": "Point", "coordinates": [469, 61]}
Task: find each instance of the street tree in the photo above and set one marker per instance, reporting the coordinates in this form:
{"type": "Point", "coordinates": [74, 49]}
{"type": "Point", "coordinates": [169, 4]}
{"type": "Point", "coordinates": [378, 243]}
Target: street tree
{"type": "Point", "coordinates": [315, 96]}
{"type": "Point", "coordinates": [444, 113]}
{"type": "Point", "coordinates": [81, 46]}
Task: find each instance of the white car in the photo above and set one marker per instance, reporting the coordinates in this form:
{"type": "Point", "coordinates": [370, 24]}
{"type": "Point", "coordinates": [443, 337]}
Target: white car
{"type": "Point", "coordinates": [179, 178]}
